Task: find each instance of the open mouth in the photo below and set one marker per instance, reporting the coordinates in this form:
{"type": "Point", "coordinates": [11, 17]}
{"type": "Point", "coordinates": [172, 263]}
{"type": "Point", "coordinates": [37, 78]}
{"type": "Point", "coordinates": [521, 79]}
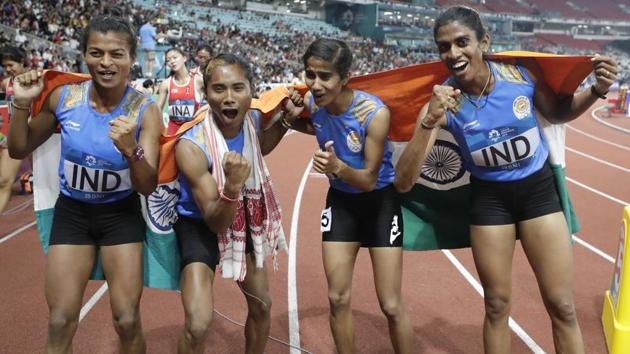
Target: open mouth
{"type": "Point", "coordinates": [106, 74]}
{"type": "Point", "coordinates": [318, 96]}
{"type": "Point", "coordinates": [230, 113]}
{"type": "Point", "coordinates": [459, 67]}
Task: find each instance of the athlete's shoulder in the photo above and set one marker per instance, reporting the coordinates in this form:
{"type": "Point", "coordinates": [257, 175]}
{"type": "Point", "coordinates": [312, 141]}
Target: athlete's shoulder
{"type": "Point", "coordinates": [74, 94]}
{"type": "Point", "coordinates": [134, 102]}
{"type": "Point", "coordinates": [365, 106]}
{"type": "Point", "coordinates": [508, 72]}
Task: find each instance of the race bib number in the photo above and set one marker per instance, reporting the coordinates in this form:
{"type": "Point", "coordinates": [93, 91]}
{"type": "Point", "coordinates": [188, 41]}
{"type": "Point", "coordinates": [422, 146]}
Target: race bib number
{"type": "Point", "coordinates": [326, 221]}
{"type": "Point", "coordinates": [91, 180]}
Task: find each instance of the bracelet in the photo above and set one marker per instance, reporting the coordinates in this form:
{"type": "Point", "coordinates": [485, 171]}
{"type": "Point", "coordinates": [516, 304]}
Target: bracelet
{"type": "Point", "coordinates": [425, 125]}
{"type": "Point", "coordinates": [285, 123]}
{"type": "Point", "coordinates": [596, 93]}
{"type": "Point", "coordinates": [225, 198]}
{"type": "Point", "coordinates": [18, 107]}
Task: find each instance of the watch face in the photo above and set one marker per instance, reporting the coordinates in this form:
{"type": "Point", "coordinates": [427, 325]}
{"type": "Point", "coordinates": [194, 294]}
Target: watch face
{"type": "Point", "coordinates": [138, 153]}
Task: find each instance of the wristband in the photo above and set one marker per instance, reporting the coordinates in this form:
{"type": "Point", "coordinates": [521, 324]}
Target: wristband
{"type": "Point", "coordinates": [596, 93]}
{"type": "Point", "coordinates": [18, 107]}
{"type": "Point", "coordinates": [425, 125]}
{"type": "Point", "coordinates": [225, 198]}
{"type": "Point", "coordinates": [285, 123]}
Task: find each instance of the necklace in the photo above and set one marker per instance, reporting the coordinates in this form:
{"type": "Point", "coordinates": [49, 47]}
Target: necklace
{"type": "Point", "coordinates": [475, 103]}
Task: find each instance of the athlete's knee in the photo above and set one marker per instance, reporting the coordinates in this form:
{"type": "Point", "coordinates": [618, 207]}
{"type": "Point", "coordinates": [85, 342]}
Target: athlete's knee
{"type": "Point", "coordinates": [562, 309]}
{"type": "Point", "coordinates": [497, 306]}
{"type": "Point", "coordinates": [260, 307]}
{"type": "Point", "coordinates": [391, 308]}
{"type": "Point", "coordinates": [61, 323]}
{"type": "Point", "coordinates": [197, 326]}
{"type": "Point", "coordinates": [339, 300]}
{"type": "Point", "coordinates": [5, 182]}
{"type": "Point", "coordinates": [127, 323]}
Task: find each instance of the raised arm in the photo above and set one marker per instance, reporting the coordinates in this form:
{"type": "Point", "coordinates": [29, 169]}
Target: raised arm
{"type": "Point", "coordinates": [562, 109]}
{"type": "Point", "coordinates": [218, 212]}
{"type": "Point", "coordinates": [364, 178]}
{"type": "Point", "coordinates": [25, 134]}
{"type": "Point", "coordinates": [431, 117]}
{"type": "Point", "coordinates": [143, 154]}
{"type": "Point", "coordinates": [162, 95]}
{"type": "Point", "coordinates": [283, 121]}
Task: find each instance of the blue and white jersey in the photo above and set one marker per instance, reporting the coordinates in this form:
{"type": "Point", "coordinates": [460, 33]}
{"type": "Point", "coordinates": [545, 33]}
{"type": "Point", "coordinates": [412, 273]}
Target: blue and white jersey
{"type": "Point", "coordinates": [349, 130]}
{"type": "Point", "coordinates": [91, 168]}
{"type": "Point", "coordinates": [186, 205]}
{"type": "Point", "coordinates": [500, 139]}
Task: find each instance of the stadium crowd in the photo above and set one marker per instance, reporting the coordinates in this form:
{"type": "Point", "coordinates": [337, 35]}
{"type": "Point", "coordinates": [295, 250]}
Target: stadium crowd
{"type": "Point", "coordinates": [277, 57]}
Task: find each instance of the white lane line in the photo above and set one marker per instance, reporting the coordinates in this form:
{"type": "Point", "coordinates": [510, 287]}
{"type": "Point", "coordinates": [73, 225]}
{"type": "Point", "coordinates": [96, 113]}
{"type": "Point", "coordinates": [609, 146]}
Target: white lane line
{"type": "Point", "coordinates": [608, 124]}
{"type": "Point", "coordinates": [623, 147]}
{"type": "Point", "coordinates": [317, 175]}
{"type": "Point", "coordinates": [520, 332]}
{"type": "Point", "coordinates": [17, 232]}
{"type": "Point", "coordinates": [607, 196]}
{"type": "Point", "coordinates": [594, 249]}
{"type": "Point", "coordinates": [610, 164]}
{"type": "Point", "coordinates": [92, 301]}
{"type": "Point", "coordinates": [294, 321]}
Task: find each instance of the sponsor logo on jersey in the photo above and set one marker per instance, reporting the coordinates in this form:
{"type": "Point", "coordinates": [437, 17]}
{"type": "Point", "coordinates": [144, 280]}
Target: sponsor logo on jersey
{"type": "Point", "coordinates": [471, 125]}
{"type": "Point", "coordinates": [73, 126]}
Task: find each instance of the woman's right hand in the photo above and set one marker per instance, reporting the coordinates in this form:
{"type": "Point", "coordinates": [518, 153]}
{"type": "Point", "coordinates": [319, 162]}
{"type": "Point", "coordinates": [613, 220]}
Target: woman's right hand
{"type": "Point", "coordinates": [28, 86]}
{"type": "Point", "coordinates": [444, 99]}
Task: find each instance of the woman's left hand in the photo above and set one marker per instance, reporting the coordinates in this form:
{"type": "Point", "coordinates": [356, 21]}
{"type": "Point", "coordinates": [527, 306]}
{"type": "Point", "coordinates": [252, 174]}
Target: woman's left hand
{"type": "Point", "coordinates": [326, 161]}
{"type": "Point", "coordinates": [605, 70]}
{"type": "Point", "coordinates": [123, 134]}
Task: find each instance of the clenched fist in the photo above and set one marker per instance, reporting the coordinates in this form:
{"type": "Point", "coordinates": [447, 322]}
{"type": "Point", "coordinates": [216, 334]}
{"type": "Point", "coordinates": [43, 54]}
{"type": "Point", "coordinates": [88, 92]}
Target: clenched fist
{"type": "Point", "coordinates": [236, 169]}
{"type": "Point", "coordinates": [444, 99]}
{"type": "Point", "coordinates": [27, 87]}
{"type": "Point", "coordinates": [122, 131]}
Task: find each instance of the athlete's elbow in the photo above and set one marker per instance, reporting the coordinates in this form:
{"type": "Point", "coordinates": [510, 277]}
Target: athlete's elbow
{"type": "Point", "coordinates": [402, 185]}
{"type": "Point", "coordinates": [17, 153]}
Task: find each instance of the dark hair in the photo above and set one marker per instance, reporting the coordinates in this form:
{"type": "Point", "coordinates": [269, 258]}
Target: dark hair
{"type": "Point", "coordinates": [147, 83]}
{"type": "Point", "coordinates": [104, 24]}
{"type": "Point", "coordinates": [333, 51]}
{"type": "Point", "coordinates": [12, 53]}
{"type": "Point", "coordinates": [204, 47]}
{"type": "Point", "coordinates": [465, 15]}
{"type": "Point", "coordinates": [180, 51]}
{"type": "Point", "coordinates": [224, 59]}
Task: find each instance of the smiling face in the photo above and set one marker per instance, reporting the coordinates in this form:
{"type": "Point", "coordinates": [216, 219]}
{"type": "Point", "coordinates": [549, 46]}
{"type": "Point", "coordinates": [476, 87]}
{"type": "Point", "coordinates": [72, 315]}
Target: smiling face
{"type": "Point", "coordinates": [108, 58]}
{"type": "Point", "coordinates": [461, 51]}
{"type": "Point", "coordinates": [229, 95]}
{"type": "Point", "coordinates": [12, 68]}
{"type": "Point", "coordinates": [323, 81]}
{"type": "Point", "coordinates": [175, 60]}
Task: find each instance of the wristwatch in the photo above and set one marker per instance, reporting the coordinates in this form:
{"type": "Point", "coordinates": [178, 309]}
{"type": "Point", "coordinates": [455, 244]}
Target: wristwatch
{"type": "Point", "coordinates": [137, 154]}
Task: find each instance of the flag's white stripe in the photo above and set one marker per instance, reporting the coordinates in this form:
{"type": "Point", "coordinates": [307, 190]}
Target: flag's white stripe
{"type": "Point", "coordinates": [520, 332]}
{"type": "Point", "coordinates": [598, 160]}
{"type": "Point", "coordinates": [294, 321]}
{"type": "Point", "coordinates": [623, 147]}
{"type": "Point", "coordinates": [607, 196]}
{"type": "Point", "coordinates": [594, 249]}
{"type": "Point", "coordinates": [601, 121]}
{"type": "Point", "coordinates": [16, 232]}
{"type": "Point", "coordinates": [92, 301]}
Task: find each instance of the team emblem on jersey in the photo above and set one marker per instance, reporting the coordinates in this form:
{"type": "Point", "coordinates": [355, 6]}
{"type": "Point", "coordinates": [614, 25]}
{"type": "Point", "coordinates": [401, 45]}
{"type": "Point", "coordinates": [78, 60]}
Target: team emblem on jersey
{"type": "Point", "coordinates": [521, 107]}
{"type": "Point", "coordinates": [353, 140]}
{"type": "Point", "coordinates": [160, 207]}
